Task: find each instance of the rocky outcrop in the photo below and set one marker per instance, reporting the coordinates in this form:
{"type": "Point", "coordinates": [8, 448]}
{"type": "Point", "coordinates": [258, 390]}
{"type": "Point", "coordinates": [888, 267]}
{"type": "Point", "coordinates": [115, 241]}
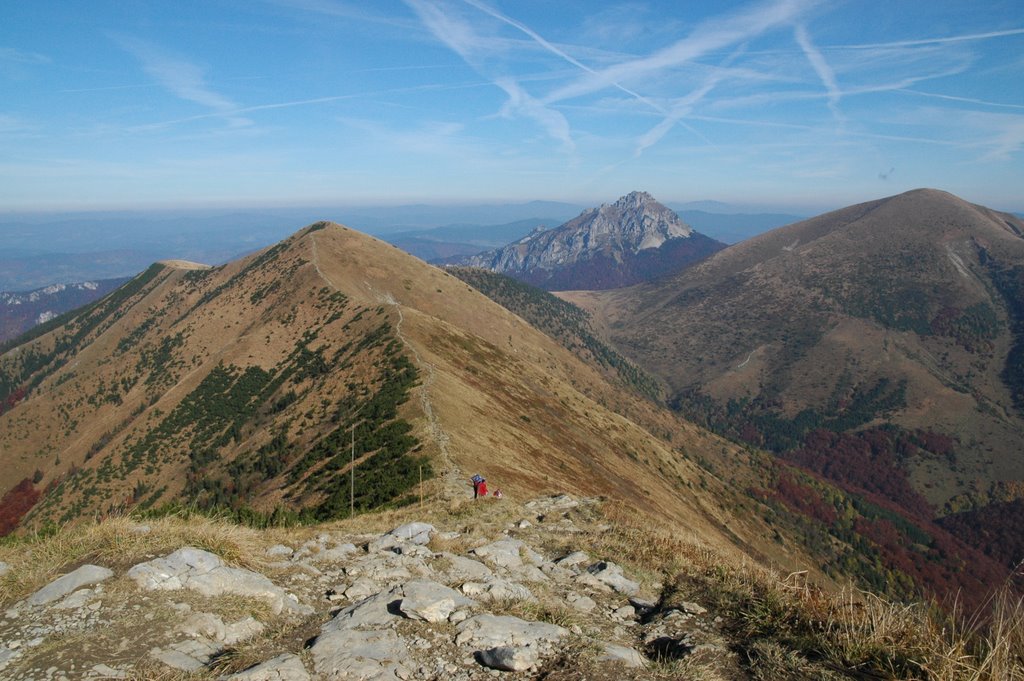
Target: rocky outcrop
{"type": "Point", "coordinates": [384, 606]}
{"type": "Point", "coordinates": [612, 245]}
{"type": "Point", "coordinates": [206, 573]}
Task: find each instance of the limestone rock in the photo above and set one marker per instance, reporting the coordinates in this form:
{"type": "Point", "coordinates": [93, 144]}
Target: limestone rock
{"type": "Point", "coordinates": [209, 626]}
{"type": "Point", "coordinates": [334, 555]}
{"type": "Point", "coordinates": [62, 586]}
{"type": "Point", "coordinates": [573, 559]}
{"type": "Point", "coordinates": [206, 573]}
{"type": "Point", "coordinates": [580, 602]}
{"type": "Point", "coordinates": [188, 656]}
{"type": "Point", "coordinates": [361, 588]}
{"type": "Point", "coordinates": [508, 553]}
{"type": "Point", "coordinates": [365, 655]}
{"type": "Point", "coordinates": [493, 631]}
{"type": "Point", "coordinates": [509, 658]}
{"type": "Point", "coordinates": [498, 590]}
{"type": "Point", "coordinates": [529, 573]}
{"type": "Point", "coordinates": [376, 611]}
{"type": "Point", "coordinates": [627, 656]}
{"type": "Point", "coordinates": [462, 569]}
{"type": "Point", "coordinates": [280, 550]}
{"type": "Point", "coordinates": [416, 533]}
{"type": "Point", "coordinates": [430, 601]}
{"type": "Point", "coordinates": [610, 575]}
{"type": "Point", "coordinates": [286, 667]}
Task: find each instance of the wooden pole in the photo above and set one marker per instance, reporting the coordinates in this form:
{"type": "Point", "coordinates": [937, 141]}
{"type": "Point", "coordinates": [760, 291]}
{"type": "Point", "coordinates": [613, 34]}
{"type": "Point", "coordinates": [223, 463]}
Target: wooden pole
{"type": "Point", "coordinates": [352, 477]}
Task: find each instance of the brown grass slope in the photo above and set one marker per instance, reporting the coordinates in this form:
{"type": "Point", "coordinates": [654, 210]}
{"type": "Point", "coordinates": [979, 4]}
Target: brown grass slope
{"type": "Point", "coordinates": [128, 404]}
{"type": "Point", "coordinates": [912, 289]}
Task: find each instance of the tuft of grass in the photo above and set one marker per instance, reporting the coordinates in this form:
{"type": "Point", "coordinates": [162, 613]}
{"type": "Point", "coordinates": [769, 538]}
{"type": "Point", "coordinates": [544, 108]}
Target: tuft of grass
{"type": "Point", "coordinates": [280, 636]}
{"type": "Point", "coordinates": [541, 610]}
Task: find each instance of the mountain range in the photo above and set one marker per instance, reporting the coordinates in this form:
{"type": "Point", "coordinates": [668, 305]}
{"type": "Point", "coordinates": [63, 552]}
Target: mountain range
{"type": "Point", "coordinates": [20, 311]}
{"type": "Point", "coordinates": [841, 395]}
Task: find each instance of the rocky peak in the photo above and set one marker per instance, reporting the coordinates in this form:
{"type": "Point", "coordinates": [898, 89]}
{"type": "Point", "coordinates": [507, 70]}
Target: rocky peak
{"type": "Point", "coordinates": [634, 223]}
{"type": "Point", "coordinates": [614, 232]}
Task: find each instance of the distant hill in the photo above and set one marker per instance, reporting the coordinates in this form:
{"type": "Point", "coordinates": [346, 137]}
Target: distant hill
{"type": "Point", "coordinates": [19, 312]}
{"type": "Point", "coordinates": [907, 308]}
{"type": "Point", "coordinates": [451, 243]}
{"type": "Point", "coordinates": [732, 228]}
{"type": "Point", "coordinates": [40, 249]}
{"type": "Point", "coordinates": [632, 240]}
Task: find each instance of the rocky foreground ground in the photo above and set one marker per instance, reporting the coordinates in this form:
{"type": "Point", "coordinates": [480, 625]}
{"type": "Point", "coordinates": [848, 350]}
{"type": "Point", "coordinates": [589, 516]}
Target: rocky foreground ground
{"type": "Point", "coordinates": [522, 598]}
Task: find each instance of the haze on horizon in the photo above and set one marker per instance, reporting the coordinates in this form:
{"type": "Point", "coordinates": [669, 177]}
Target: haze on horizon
{"type": "Point", "coordinates": [774, 102]}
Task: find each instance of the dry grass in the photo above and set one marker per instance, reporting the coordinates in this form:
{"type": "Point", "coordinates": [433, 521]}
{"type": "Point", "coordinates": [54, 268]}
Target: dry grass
{"type": "Point", "coordinates": [788, 629]}
{"type": "Point", "coordinates": [541, 610]}
{"type": "Point", "coordinates": [118, 542]}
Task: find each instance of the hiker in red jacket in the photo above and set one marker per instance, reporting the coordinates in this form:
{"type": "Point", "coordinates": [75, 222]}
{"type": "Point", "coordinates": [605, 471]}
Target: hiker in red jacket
{"type": "Point", "coordinates": [479, 486]}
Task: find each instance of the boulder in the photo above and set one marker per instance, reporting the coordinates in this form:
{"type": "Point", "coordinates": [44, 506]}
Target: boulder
{"type": "Point", "coordinates": [627, 656]}
{"type": "Point", "coordinates": [62, 586]}
{"type": "Point", "coordinates": [508, 553]}
{"type": "Point", "coordinates": [610, 575]}
{"type": "Point", "coordinates": [365, 655]}
{"type": "Point", "coordinates": [573, 559]}
{"type": "Point", "coordinates": [498, 590]}
{"type": "Point", "coordinates": [430, 601]}
{"type": "Point", "coordinates": [493, 631]}
{"type": "Point", "coordinates": [417, 533]}
{"type": "Point", "coordinates": [509, 658]}
{"type": "Point", "coordinates": [462, 569]}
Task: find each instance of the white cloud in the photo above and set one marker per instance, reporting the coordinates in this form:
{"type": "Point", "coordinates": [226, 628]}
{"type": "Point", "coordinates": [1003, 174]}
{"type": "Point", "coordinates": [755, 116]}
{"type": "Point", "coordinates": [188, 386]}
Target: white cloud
{"type": "Point", "coordinates": [821, 67]}
{"type": "Point", "coordinates": [711, 35]}
{"type": "Point", "coordinates": [461, 37]}
{"type": "Point", "coordinates": [181, 78]}
{"type": "Point", "coordinates": [933, 41]}
{"type": "Point", "coordinates": [1002, 134]}
{"type": "Point", "coordinates": [13, 54]}
{"type": "Point", "coordinates": [520, 102]}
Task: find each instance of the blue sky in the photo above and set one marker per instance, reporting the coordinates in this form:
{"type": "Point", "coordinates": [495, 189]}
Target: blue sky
{"type": "Point", "coordinates": [787, 102]}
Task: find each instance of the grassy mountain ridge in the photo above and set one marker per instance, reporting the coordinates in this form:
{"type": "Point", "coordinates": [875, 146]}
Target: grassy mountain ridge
{"type": "Point", "coordinates": [161, 396]}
